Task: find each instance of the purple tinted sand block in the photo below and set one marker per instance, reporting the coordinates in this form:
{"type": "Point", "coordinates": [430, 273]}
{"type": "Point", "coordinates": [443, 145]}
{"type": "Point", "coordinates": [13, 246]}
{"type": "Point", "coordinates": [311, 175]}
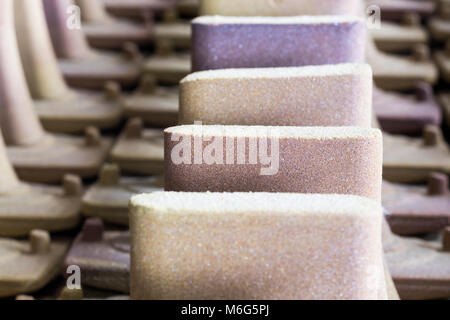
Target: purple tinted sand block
{"type": "Point", "coordinates": [255, 246]}
{"type": "Point", "coordinates": [258, 42]}
{"type": "Point", "coordinates": [342, 160]}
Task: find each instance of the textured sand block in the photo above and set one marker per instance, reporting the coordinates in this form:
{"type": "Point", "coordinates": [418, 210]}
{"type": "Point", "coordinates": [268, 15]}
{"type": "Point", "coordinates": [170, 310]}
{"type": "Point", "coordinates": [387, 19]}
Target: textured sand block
{"type": "Point", "coordinates": [278, 8]}
{"type": "Point", "coordinates": [331, 95]}
{"type": "Point", "coordinates": [252, 42]}
{"type": "Point", "coordinates": [255, 246]}
{"type": "Point", "coordinates": [344, 160]}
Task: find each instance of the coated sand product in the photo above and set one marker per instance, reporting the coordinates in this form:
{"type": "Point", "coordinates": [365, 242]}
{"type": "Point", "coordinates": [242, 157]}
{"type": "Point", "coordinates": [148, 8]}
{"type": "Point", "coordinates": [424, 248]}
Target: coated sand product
{"type": "Point", "coordinates": [331, 95]}
{"type": "Point", "coordinates": [396, 10]}
{"type": "Point", "coordinates": [407, 113]}
{"type": "Point", "coordinates": [139, 150]}
{"type": "Point", "coordinates": [81, 66]}
{"type": "Point", "coordinates": [137, 8]}
{"type": "Point", "coordinates": [157, 106]}
{"type": "Point", "coordinates": [411, 160]}
{"type": "Point", "coordinates": [444, 99]}
{"type": "Point", "coordinates": [166, 65]}
{"type": "Point", "coordinates": [416, 210]}
{"type": "Point", "coordinates": [49, 208]}
{"type": "Point", "coordinates": [255, 246]}
{"type": "Point", "coordinates": [278, 8]}
{"type": "Point", "coordinates": [392, 37]}
{"type": "Point", "coordinates": [27, 266]}
{"type": "Point", "coordinates": [343, 160]}
{"type": "Point", "coordinates": [420, 268]}
{"type": "Point", "coordinates": [109, 197]}
{"type": "Point", "coordinates": [60, 109]}
{"type": "Point", "coordinates": [106, 32]}
{"type": "Point", "coordinates": [102, 256]}
{"type": "Point", "coordinates": [220, 42]}
{"type": "Point", "coordinates": [26, 140]}
{"type": "Point", "coordinates": [393, 72]}
{"type": "Point", "coordinates": [443, 61]}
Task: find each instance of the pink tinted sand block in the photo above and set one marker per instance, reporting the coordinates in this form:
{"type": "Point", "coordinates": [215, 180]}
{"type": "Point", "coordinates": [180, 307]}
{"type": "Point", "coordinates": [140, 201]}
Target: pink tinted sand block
{"type": "Point", "coordinates": [257, 42]}
{"type": "Point", "coordinates": [330, 95]}
{"type": "Point", "coordinates": [342, 160]}
{"type": "Point", "coordinates": [255, 246]}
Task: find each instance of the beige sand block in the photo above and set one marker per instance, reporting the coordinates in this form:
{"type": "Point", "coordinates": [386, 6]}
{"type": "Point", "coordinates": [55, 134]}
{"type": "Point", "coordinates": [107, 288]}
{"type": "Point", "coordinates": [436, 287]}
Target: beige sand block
{"type": "Point", "coordinates": [188, 8]}
{"type": "Point", "coordinates": [299, 159]}
{"type": "Point", "coordinates": [157, 106]}
{"type": "Point", "coordinates": [393, 37]}
{"type": "Point", "coordinates": [167, 66]}
{"type": "Point", "coordinates": [392, 72]}
{"type": "Point", "coordinates": [110, 196]}
{"type": "Point", "coordinates": [416, 210]}
{"type": "Point", "coordinates": [420, 269]}
{"type": "Point", "coordinates": [27, 266]}
{"type": "Point", "coordinates": [106, 32]}
{"type": "Point", "coordinates": [278, 8]}
{"type": "Point", "coordinates": [139, 150]}
{"type": "Point", "coordinates": [56, 155]}
{"type": "Point", "coordinates": [233, 246]}
{"type": "Point", "coordinates": [172, 29]}
{"type": "Point", "coordinates": [407, 113]}
{"type": "Point", "coordinates": [59, 108]}
{"type": "Point", "coordinates": [81, 66]}
{"type": "Point", "coordinates": [103, 257]}
{"type": "Point", "coordinates": [443, 62]}
{"type": "Point", "coordinates": [444, 99]}
{"type": "Point", "coordinates": [137, 8]}
{"type": "Point", "coordinates": [410, 160]}
{"type": "Point", "coordinates": [331, 95]}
